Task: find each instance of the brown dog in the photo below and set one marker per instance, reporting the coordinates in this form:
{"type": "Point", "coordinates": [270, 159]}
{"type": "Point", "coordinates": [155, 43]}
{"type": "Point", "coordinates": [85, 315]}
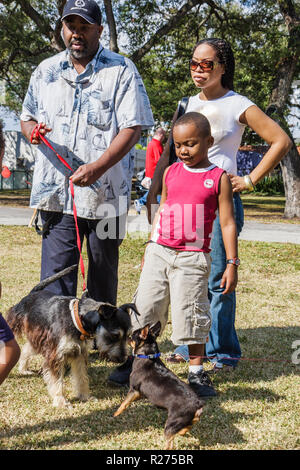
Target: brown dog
{"type": "Point", "coordinates": [152, 379]}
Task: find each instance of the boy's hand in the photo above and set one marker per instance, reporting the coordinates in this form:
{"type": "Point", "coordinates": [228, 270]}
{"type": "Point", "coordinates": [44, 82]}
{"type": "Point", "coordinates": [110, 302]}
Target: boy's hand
{"type": "Point", "coordinates": [229, 279]}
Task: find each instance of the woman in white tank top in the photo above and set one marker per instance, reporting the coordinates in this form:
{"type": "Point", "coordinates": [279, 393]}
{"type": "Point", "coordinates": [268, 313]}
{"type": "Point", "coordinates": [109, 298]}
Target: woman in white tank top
{"type": "Point", "coordinates": [212, 71]}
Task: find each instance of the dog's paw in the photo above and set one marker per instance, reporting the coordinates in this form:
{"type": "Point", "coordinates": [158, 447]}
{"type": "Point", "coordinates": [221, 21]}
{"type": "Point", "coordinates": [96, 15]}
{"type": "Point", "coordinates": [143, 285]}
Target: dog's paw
{"type": "Point", "coordinates": [61, 402]}
{"type": "Point", "coordinates": [83, 397]}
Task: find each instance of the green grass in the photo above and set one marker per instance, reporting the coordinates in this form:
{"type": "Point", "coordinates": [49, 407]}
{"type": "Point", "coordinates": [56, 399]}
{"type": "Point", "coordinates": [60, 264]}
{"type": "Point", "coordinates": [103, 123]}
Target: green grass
{"type": "Point", "coordinates": [256, 406]}
{"type": "Point", "coordinates": [265, 208]}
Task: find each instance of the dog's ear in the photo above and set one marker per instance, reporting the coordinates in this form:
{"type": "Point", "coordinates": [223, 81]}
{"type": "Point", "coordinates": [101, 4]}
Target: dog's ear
{"type": "Point", "coordinates": [144, 332]}
{"type": "Point", "coordinates": [107, 310]}
{"type": "Point", "coordinates": [128, 307]}
{"type": "Point", "coordinates": [85, 295]}
{"type": "Point", "coordinates": [155, 329]}
{"type": "Point", "coordinates": [90, 321]}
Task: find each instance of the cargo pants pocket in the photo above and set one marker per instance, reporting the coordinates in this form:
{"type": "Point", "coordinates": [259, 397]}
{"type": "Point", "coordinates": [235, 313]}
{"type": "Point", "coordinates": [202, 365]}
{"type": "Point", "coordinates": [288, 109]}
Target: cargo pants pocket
{"type": "Point", "coordinates": [201, 320]}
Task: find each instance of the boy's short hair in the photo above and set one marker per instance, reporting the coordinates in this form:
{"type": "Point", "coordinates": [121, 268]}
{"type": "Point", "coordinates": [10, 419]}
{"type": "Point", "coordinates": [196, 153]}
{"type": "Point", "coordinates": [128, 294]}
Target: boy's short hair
{"type": "Point", "coordinates": [198, 119]}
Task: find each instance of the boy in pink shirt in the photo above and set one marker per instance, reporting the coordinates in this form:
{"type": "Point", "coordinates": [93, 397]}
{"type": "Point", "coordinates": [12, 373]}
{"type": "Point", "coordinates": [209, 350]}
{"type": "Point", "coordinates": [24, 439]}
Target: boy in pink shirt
{"type": "Point", "coordinates": [177, 260]}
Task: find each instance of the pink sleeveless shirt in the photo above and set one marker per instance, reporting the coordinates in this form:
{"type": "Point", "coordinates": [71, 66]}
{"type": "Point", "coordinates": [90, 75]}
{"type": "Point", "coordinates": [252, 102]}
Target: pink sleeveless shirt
{"type": "Point", "coordinates": [185, 222]}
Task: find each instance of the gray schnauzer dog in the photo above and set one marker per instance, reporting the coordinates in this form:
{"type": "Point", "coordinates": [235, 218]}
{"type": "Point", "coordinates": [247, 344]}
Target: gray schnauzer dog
{"type": "Point", "coordinates": [63, 330]}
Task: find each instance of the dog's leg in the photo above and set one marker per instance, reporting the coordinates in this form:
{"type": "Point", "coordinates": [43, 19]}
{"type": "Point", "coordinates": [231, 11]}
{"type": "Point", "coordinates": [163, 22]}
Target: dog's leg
{"type": "Point", "coordinates": [169, 442]}
{"type": "Point", "coordinates": [132, 396]}
{"type": "Point", "coordinates": [80, 378]}
{"type": "Point", "coordinates": [26, 354]}
{"type": "Point", "coordinates": [183, 431]}
{"type": "Point", "coordinates": [54, 382]}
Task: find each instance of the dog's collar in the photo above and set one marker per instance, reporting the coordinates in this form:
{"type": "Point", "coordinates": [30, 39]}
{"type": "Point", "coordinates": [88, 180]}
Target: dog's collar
{"type": "Point", "coordinates": [76, 320]}
{"type": "Point", "coordinates": [149, 356]}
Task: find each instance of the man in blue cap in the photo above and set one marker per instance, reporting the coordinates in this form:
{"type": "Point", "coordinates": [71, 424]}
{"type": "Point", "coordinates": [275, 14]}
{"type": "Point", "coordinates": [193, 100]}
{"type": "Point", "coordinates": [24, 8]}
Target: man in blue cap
{"type": "Point", "coordinates": [92, 105]}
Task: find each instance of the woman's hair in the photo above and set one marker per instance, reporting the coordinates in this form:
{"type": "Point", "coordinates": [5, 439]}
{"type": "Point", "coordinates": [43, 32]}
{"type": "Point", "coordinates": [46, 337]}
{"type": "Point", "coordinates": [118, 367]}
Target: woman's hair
{"type": "Point", "coordinates": [225, 56]}
{"type": "Point", "coordinates": [1, 136]}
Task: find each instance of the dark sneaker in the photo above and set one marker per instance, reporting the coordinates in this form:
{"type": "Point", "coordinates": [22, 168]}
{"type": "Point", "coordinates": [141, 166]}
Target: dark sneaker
{"type": "Point", "coordinates": [201, 384]}
{"type": "Point", "coordinates": [120, 375]}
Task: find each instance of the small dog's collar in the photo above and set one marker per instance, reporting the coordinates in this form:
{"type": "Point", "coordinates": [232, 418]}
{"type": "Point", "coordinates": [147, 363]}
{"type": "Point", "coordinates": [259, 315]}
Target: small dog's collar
{"type": "Point", "coordinates": [149, 356]}
{"type": "Point", "coordinates": [73, 305]}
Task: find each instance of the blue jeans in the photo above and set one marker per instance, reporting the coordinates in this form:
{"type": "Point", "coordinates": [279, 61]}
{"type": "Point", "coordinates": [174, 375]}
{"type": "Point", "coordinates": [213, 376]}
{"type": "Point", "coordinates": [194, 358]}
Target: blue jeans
{"type": "Point", "coordinates": [223, 346]}
{"type": "Point", "coordinates": [59, 250]}
{"type": "Point", "coordinates": [142, 200]}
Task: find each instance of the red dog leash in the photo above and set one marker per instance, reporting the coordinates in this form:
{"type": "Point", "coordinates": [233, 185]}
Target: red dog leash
{"type": "Point", "coordinates": [36, 133]}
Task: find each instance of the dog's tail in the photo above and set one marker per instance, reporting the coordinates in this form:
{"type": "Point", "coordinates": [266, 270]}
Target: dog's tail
{"type": "Point", "coordinates": [53, 278]}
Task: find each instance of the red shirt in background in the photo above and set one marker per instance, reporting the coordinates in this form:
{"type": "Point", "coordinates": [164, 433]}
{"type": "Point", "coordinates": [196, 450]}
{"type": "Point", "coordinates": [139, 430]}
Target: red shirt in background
{"type": "Point", "coordinates": [153, 153]}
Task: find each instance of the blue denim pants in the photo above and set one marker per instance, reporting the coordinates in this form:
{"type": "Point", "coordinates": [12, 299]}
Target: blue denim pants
{"type": "Point", "coordinates": [223, 346]}
{"type": "Point", "coordinates": [59, 250]}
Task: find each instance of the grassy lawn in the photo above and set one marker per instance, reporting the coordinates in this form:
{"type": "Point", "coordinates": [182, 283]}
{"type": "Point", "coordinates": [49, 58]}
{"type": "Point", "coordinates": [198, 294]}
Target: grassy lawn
{"type": "Point", "coordinates": [266, 209]}
{"type": "Point", "coordinates": [255, 407]}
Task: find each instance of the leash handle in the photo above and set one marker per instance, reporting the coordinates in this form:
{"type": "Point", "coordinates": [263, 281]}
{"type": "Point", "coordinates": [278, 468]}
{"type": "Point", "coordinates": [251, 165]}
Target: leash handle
{"type": "Point", "coordinates": [36, 133]}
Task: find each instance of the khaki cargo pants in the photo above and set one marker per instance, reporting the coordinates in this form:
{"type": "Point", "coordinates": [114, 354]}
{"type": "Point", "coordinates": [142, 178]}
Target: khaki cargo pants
{"type": "Point", "coordinates": [179, 279]}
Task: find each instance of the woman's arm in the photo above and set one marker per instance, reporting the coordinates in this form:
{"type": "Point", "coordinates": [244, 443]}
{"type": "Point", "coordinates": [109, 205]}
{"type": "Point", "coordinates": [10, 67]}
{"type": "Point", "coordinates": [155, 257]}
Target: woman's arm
{"type": "Point", "coordinates": [270, 132]}
{"type": "Point", "coordinates": [229, 233]}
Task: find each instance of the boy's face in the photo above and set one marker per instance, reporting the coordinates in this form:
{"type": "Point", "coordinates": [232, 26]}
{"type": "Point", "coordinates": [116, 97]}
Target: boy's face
{"type": "Point", "coordinates": [191, 146]}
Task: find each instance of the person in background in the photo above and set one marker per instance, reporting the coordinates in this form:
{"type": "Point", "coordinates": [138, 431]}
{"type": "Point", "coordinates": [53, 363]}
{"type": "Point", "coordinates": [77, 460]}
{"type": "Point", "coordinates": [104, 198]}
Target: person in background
{"type": "Point", "coordinates": [153, 154]}
{"type": "Point", "coordinates": [9, 348]}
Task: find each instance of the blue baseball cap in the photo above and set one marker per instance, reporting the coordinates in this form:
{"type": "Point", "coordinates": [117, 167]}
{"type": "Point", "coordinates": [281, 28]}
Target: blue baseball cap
{"type": "Point", "coordinates": [87, 9]}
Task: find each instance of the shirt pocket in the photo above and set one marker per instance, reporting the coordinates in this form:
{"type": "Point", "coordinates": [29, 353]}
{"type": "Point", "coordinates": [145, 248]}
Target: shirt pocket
{"type": "Point", "coordinates": [100, 113]}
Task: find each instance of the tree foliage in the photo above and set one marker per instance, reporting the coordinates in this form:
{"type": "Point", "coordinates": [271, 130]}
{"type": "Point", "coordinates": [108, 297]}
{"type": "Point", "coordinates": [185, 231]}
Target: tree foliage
{"type": "Point", "coordinates": [159, 37]}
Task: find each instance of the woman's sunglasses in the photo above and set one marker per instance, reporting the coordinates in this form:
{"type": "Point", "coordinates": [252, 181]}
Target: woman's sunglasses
{"type": "Point", "coordinates": [205, 65]}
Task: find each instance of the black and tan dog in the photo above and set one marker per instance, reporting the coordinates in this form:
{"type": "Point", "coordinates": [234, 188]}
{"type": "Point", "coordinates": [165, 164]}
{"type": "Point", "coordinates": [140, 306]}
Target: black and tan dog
{"type": "Point", "coordinates": [152, 379]}
{"type": "Point", "coordinates": [63, 329]}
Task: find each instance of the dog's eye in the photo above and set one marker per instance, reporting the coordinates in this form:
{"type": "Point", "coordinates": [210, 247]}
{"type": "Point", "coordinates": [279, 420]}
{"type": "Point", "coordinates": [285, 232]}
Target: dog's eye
{"type": "Point", "coordinates": [115, 337]}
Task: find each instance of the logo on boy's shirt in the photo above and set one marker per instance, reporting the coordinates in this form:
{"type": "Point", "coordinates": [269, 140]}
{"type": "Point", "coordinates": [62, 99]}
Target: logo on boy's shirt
{"type": "Point", "coordinates": [209, 183]}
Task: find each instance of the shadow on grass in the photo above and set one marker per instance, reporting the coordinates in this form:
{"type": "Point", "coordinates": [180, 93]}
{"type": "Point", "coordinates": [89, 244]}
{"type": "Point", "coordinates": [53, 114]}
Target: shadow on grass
{"type": "Point", "coordinates": [141, 417]}
{"type": "Point", "coordinates": [217, 425]}
{"type": "Point", "coordinates": [266, 353]}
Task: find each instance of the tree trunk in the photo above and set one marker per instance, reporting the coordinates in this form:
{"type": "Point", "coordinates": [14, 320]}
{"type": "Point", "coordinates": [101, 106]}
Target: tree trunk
{"type": "Point", "coordinates": [290, 167]}
{"type": "Point", "coordinates": [290, 164]}
{"type": "Point", "coordinates": [113, 37]}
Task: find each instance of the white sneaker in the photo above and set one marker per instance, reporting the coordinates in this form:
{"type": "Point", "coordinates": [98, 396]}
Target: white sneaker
{"type": "Point", "coordinates": [137, 206]}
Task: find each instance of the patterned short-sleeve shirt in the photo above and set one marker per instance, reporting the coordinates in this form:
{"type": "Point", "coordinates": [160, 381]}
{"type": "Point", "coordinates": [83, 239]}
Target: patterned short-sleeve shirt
{"type": "Point", "coordinates": [85, 112]}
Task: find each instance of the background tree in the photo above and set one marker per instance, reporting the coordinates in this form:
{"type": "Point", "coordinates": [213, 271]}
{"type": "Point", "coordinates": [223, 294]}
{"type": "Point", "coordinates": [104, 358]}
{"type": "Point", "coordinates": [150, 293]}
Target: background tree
{"type": "Point", "coordinates": [159, 36]}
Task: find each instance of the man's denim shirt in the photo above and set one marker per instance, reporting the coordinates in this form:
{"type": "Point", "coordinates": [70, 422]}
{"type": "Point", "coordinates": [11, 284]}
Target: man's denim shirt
{"type": "Point", "coordinates": [85, 112]}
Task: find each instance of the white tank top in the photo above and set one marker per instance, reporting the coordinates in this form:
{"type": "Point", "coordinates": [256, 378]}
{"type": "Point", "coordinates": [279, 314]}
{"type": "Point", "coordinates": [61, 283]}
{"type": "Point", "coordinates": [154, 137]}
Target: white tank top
{"type": "Point", "coordinates": [223, 115]}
